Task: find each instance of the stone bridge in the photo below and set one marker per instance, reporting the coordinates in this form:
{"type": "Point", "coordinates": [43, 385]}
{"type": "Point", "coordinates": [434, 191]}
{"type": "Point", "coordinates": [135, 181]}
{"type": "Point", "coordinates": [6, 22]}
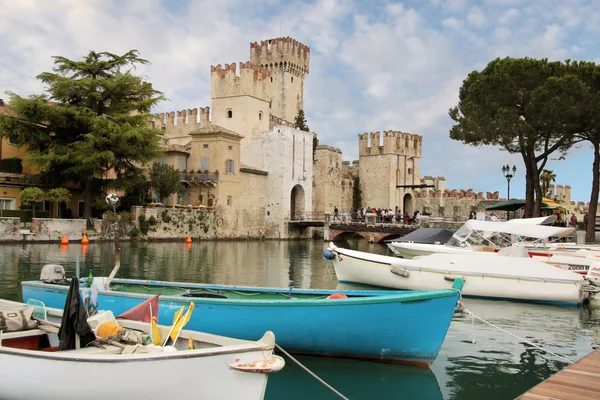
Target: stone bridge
{"type": "Point", "coordinates": [375, 233]}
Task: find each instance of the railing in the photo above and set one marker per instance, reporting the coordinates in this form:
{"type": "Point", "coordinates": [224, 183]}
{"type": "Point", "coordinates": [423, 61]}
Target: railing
{"type": "Point", "coordinates": [199, 177]}
{"type": "Point", "coordinates": [307, 216]}
{"type": "Point", "coordinates": [273, 121]}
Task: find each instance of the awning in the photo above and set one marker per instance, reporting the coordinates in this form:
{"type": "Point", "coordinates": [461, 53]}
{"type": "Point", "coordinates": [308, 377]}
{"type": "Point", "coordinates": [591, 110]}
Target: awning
{"type": "Point", "coordinates": [516, 204]}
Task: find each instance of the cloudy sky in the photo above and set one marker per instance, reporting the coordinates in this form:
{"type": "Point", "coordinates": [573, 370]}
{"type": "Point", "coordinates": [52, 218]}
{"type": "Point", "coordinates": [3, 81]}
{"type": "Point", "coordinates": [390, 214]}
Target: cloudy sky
{"type": "Point", "coordinates": [375, 65]}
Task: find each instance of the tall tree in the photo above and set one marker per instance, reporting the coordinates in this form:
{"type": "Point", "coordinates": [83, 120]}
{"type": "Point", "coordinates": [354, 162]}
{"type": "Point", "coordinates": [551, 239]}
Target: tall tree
{"type": "Point", "coordinates": [300, 121]}
{"type": "Point", "coordinates": [91, 126]}
{"type": "Point", "coordinates": [524, 106]}
{"type": "Point", "coordinates": [589, 73]}
{"type": "Point", "coordinates": [165, 180]}
{"type": "Point", "coordinates": [546, 177]}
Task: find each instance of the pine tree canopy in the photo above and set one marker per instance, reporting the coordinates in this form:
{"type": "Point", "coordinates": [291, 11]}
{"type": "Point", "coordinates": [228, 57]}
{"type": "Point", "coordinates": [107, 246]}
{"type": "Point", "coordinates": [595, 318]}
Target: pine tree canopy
{"type": "Point", "coordinates": [92, 124]}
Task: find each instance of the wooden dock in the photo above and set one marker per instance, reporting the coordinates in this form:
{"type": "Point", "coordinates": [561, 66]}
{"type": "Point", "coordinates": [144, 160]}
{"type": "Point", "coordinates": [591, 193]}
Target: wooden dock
{"type": "Point", "coordinates": [579, 381]}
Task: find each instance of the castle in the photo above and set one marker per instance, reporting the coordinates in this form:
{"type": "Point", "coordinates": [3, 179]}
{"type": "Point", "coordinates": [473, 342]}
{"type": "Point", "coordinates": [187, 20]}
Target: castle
{"type": "Point", "coordinates": [262, 171]}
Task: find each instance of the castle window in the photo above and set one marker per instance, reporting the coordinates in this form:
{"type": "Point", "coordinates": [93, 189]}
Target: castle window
{"type": "Point", "coordinates": [230, 167]}
{"type": "Point", "coordinates": [271, 79]}
{"type": "Point", "coordinates": [229, 201]}
{"type": "Point", "coordinates": [229, 114]}
{"type": "Point", "coordinates": [270, 103]}
{"type": "Point", "coordinates": [292, 79]}
{"type": "Point", "coordinates": [230, 147]}
{"type": "Point", "coordinates": [260, 115]}
{"type": "Point", "coordinates": [200, 198]}
{"type": "Point", "coordinates": [205, 146]}
{"type": "Point", "coordinates": [204, 164]}
{"type": "Point", "coordinates": [410, 171]}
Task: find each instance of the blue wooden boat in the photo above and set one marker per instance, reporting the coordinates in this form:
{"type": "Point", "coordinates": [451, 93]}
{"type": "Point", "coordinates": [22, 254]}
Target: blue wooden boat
{"type": "Point", "coordinates": [388, 326]}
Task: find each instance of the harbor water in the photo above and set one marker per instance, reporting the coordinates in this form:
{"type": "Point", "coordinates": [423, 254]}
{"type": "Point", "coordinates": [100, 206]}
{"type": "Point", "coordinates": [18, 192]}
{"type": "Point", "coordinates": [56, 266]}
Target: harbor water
{"type": "Point", "coordinates": [476, 361]}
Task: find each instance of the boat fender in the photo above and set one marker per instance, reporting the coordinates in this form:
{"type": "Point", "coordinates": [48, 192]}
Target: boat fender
{"type": "Point", "coordinates": [337, 296]}
{"type": "Point", "coordinates": [400, 272]}
{"type": "Point", "coordinates": [328, 254]}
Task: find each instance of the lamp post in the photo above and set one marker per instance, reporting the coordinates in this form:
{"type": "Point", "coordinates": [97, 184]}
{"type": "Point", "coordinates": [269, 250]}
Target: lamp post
{"type": "Point", "coordinates": [508, 174]}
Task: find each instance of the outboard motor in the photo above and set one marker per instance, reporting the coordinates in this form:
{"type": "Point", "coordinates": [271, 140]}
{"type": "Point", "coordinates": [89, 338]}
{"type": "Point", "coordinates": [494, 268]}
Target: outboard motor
{"type": "Point", "coordinates": [53, 273]}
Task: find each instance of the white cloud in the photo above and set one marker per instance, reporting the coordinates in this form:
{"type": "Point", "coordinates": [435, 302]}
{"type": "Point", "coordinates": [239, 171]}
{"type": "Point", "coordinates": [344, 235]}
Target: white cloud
{"type": "Point", "coordinates": [453, 23]}
{"type": "Point", "coordinates": [476, 17]}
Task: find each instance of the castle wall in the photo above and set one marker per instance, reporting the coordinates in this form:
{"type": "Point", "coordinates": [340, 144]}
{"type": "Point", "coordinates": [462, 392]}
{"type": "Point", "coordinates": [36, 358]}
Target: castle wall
{"type": "Point", "coordinates": [327, 180]}
{"type": "Point", "coordinates": [177, 125]}
{"type": "Point", "coordinates": [288, 161]}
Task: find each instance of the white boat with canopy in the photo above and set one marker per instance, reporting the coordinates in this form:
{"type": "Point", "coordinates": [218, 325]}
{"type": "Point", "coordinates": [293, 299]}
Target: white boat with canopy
{"type": "Point", "coordinates": [486, 236]}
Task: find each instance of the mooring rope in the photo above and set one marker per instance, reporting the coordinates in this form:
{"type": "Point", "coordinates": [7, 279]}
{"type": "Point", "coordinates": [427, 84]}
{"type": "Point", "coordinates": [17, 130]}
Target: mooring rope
{"type": "Point", "coordinates": [513, 335]}
{"type": "Point", "coordinates": [310, 372]}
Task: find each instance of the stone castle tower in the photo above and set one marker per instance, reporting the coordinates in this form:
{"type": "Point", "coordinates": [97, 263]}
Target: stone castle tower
{"type": "Point", "coordinates": [288, 61]}
{"type": "Point", "coordinates": [390, 169]}
{"type": "Point", "coordinates": [266, 91]}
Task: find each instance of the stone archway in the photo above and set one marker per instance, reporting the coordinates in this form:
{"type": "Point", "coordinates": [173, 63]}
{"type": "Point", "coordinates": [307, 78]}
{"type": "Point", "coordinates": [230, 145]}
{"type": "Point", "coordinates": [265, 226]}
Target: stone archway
{"type": "Point", "coordinates": [408, 207]}
{"type": "Point", "coordinates": [297, 210]}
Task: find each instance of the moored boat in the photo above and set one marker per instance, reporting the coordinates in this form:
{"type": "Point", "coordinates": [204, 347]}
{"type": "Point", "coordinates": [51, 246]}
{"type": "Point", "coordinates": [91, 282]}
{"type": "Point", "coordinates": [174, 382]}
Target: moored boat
{"type": "Point", "coordinates": [354, 324]}
{"type": "Point", "coordinates": [486, 275]}
{"type": "Point", "coordinates": [222, 367]}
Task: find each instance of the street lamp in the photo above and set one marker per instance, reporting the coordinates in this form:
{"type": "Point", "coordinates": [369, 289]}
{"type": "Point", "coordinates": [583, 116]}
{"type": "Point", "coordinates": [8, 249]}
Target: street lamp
{"type": "Point", "coordinates": [506, 171]}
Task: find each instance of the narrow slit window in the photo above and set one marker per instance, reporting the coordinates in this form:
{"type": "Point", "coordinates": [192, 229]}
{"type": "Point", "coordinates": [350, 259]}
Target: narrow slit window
{"type": "Point", "coordinates": [229, 114]}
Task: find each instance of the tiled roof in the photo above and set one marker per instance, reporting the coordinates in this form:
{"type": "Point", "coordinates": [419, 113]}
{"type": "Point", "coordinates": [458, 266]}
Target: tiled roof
{"type": "Point", "coordinates": [212, 129]}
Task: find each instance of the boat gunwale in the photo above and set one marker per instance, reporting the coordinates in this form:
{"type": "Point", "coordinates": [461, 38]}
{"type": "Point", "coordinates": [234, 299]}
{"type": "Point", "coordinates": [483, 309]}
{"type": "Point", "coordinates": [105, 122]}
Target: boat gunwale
{"type": "Point", "coordinates": [395, 296]}
{"type": "Point", "coordinates": [465, 274]}
{"type": "Point", "coordinates": [106, 358]}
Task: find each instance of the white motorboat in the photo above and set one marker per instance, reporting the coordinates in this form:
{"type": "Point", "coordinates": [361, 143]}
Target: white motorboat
{"type": "Point", "coordinates": [486, 274]}
{"type": "Point", "coordinates": [216, 367]}
{"type": "Point", "coordinates": [485, 236]}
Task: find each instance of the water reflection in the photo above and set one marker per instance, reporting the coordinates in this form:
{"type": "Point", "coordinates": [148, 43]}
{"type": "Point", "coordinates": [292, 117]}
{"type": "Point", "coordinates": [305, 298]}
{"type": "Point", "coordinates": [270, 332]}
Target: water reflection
{"type": "Point", "coordinates": [497, 366]}
{"type": "Point", "coordinates": [354, 379]}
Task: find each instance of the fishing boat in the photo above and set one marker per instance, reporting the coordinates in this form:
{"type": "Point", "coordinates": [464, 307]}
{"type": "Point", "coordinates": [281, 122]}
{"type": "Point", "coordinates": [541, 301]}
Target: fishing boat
{"type": "Point", "coordinates": [223, 368]}
{"type": "Point", "coordinates": [487, 275]}
{"type": "Point", "coordinates": [353, 324]}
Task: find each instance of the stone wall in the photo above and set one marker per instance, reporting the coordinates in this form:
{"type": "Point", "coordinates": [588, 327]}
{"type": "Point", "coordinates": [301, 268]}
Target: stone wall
{"type": "Point", "coordinates": [10, 228]}
{"type": "Point", "coordinates": [54, 229]}
{"type": "Point", "coordinates": [327, 179]}
{"type": "Point", "coordinates": [454, 204]}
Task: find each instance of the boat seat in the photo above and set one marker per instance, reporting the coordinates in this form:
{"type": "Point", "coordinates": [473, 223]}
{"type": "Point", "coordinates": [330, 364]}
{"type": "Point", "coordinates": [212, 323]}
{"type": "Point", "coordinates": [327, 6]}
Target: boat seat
{"type": "Point", "coordinates": [22, 334]}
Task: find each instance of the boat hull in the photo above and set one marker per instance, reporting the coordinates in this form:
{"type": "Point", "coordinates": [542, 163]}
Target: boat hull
{"type": "Point", "coordinates": [58, 376]}
{"type": "Point", "coordinates": [425, 274]}
{"type": "Point", "coordinates": [400, 328]}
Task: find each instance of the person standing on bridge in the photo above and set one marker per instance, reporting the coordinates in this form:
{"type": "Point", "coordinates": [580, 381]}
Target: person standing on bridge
{"type": "Point", "coordinates": [335, 213]}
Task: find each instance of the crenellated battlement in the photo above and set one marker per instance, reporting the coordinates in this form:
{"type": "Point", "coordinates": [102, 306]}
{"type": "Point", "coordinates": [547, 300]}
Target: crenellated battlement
{"type": "Point", "coordinates": [281, 53]}
{"type": "Point", "coordinates": [249, 79]}
{"type": "Point", "coordinates": [184, 117]}
{"type": "Point", "coordinates": [390, 142]}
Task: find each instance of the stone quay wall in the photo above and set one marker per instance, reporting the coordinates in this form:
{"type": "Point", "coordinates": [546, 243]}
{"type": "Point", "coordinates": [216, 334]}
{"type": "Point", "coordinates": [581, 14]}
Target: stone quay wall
{"type": "Point", "coordinates": [9, 229]}
{"type": "Point", "coordinates": [44, 229]}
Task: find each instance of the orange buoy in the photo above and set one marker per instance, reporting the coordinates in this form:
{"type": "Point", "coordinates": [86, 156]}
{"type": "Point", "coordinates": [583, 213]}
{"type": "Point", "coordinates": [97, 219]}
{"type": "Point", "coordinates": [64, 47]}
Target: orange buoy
{"type": "Point", "coordinates": [188, 239]}
{"type": "Point", "coordinates": [337, 296]}
{"type": "Point", "coordinates": [63, 248]}
{"type": "Point", "coordinates": [64, 240]}
{"type": "Point", "coordinates": [84, 239]}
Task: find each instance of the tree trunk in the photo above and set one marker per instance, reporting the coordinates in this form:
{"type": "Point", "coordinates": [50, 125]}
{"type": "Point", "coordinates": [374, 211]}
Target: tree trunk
{"type": "Point", "coordinates": [529, 190]}
{"type": "Point", "coordinates": [88, 199]}
{"type": "Point", "coordinates": [590, 229]}
{"type": "Point", "coordinates": [537, 208]}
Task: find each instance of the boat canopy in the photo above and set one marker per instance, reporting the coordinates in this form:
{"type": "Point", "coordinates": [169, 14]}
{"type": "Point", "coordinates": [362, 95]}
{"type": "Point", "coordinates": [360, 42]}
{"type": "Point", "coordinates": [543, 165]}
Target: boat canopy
{"type": "Point", "coordinates": [503, 234]}
{"type": "Point", "coordinates": [427, 235]}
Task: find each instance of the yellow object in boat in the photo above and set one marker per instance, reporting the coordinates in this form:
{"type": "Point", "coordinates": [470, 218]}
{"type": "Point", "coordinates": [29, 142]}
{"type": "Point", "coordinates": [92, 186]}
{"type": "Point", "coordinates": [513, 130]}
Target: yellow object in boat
{"type": "Point", "coordinates": [108, 329]}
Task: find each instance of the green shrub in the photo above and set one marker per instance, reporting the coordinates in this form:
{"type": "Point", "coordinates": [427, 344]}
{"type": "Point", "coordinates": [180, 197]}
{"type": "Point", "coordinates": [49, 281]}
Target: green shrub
{"type": "Point", "coordinates": [144, 224]}
{"type": "Point", "coordinates": [152, 221]}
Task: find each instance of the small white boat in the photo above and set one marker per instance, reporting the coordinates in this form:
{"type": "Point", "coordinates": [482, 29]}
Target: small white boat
{"type": "Point", "coordinates": [485, 274]}
{"type": "Point", "coordinates": [216, 368]}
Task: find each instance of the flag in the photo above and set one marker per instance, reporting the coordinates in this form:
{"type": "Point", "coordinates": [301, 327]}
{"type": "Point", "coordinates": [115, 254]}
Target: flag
{"type": "Point", "coordinates": [142, 312]}
{"type": "Point", "coordinates": [181, 322]}
{"type": "Point", "coordinates": [156, 339]}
